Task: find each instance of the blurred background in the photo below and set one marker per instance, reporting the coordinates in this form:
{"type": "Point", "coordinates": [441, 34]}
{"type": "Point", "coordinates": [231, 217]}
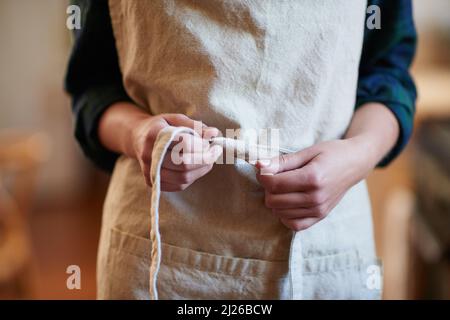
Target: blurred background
{"type": "Point", "coordinates": [51, 197]}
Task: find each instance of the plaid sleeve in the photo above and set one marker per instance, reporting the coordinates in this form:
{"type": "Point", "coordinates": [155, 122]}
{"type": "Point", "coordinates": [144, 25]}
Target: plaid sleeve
{"type": "Point", "coordinates": [93, 79]}
{"type": "Point", "coordinates": [383, 73]}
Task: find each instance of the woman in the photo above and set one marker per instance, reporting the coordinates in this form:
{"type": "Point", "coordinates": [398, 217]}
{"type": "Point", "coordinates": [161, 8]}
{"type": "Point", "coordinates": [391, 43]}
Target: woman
{"type": "Point", "coordinates": [339, 94]}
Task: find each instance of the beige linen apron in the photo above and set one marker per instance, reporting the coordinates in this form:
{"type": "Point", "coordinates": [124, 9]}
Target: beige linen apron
{"type": "Point", "coordinates": [247, 64]}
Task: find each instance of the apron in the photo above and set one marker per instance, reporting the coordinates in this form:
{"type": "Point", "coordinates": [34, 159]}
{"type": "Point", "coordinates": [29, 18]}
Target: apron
{"type": "Point", "coordinates": [236, 64]}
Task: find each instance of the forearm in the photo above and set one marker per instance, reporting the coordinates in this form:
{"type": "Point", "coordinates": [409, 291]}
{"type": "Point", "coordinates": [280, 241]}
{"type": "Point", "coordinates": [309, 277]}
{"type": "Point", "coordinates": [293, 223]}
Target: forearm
{"type": "Point", "coordinates": [116, 126]}
{"type": "Point", "coordinates": [375, 130]}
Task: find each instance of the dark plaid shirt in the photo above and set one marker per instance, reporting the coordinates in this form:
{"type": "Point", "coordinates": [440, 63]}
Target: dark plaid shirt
{"type": "Point", "coordinates": [94, 79]}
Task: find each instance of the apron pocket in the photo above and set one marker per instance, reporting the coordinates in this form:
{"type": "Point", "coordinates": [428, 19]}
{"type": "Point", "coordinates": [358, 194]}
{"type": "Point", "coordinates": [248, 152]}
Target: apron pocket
{"type": "Point", "coordinates": [190, 274]}
{"type": "Point", "coordinates": [123, 270]}
{"type": "Point", "coordinates": [371, 275]}
{"type": "Point", "coordinates": [342, 276]}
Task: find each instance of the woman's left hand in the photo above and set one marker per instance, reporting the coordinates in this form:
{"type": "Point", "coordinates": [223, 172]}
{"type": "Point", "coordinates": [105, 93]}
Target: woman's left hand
{"type": "Point", "coordinates": [303, 187]}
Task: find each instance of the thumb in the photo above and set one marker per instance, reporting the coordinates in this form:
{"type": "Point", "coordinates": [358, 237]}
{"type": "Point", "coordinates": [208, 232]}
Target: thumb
{"type": "Point", "coordinates": [285, 162]}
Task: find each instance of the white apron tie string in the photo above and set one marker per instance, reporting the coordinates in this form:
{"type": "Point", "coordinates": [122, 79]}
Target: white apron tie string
{"type": "Point", "coordinates": [160, 147]}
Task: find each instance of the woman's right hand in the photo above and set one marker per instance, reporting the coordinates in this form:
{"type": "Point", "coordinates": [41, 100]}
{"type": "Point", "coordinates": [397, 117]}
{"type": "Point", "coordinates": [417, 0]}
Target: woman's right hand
{"type": "Point", "coordinates": [195, 162]}
{"type": "Point", "coordinates": [126, 129]}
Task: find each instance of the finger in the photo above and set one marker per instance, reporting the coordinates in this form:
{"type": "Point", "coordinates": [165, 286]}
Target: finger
{"type": "Point", "coordinates": [286, 162]}
{"type": "Point", "coordinates": [292, 200]}
{"type": "Point", "coordinates": [186, 142]}
{"type": "Point", "coordinates": [185, 160]}
{"type": "Point", "coordinates": [210, 132]}
{"type": "Point", "coordinates": [319, 211]}
{"type": "Point", "coordinates": [183, 177]}
{"type": "Point", "coordinates": [181, 120]}
{"type": "Point", "coordinates": [299, 224]}
{"type": "Point", "coordinates": [304, 179]}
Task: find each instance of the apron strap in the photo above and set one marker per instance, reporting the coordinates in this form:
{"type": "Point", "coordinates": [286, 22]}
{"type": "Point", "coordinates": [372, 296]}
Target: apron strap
{"type": "Point", "coordinates": [160, 147]}
{"type": "Point", "coordinates": [162, 143]}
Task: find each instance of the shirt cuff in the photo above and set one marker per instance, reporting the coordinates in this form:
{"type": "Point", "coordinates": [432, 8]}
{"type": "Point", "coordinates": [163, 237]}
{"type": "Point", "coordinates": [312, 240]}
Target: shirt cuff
{"type": "Point", "coordinates": [88, 109]}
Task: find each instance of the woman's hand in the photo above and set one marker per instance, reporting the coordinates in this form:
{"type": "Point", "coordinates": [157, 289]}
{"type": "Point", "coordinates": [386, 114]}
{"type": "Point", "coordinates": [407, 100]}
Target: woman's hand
{"type": "Point", "coordinates": [126, 129]}
{"type": "Point", "coordinates": [303, 187]}
{"type": "Point", "coordinates": [195, 162]}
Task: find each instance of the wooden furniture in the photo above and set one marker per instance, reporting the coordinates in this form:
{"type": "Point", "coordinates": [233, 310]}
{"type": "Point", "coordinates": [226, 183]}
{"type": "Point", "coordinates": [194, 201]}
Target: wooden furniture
{"type": "Point", "coordinates": [21, 155]}
{"type": "Point", "coordinates": [430, 228]}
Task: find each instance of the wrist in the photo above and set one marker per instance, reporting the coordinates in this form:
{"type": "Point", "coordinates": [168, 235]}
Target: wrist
{"type": "Point", "coordinates": [373, 131]}
{"type": "Point", "coordinates": [117, 125]}
{"type": "Point", "coordinates": [137, 127]}
{"type": "Point", "coordinates": [365, 151]}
